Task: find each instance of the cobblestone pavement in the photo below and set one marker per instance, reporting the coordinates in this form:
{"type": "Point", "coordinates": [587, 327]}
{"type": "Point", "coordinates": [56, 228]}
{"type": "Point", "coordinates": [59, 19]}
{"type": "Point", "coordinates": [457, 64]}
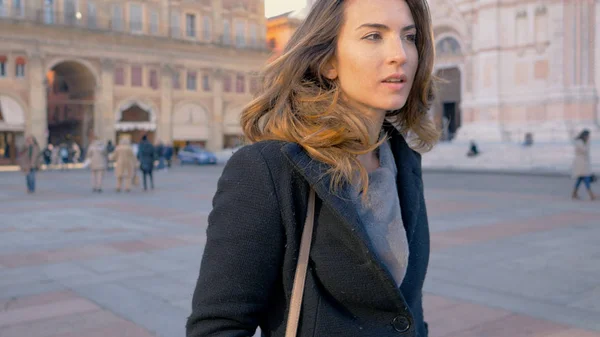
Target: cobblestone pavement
{"type": "Point", "coordinates": [511, 256]}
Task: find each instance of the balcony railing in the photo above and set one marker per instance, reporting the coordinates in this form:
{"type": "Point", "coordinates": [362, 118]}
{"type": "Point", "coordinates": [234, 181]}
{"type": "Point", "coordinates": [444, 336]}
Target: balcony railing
{"type": "Point", "coordinates": [100, 23]}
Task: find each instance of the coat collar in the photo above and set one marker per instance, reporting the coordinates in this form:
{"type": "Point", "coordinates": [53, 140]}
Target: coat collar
{"type": "Point", "coordinates": [408, 183]}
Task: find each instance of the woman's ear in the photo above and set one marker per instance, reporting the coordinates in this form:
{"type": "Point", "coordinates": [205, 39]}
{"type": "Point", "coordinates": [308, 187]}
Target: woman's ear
{"type": "Point", "coordinates": [330, 70]}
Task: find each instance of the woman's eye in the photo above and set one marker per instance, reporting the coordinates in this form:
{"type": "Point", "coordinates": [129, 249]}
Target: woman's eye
{"type": "Point", "coordinates": [373, 36]}
{"type": "Point", "coordinates": [411, 37]}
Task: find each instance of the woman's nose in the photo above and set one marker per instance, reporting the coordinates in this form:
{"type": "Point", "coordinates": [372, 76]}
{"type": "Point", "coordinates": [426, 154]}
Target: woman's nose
{"type": "Point", "coordinates": [397, 54]}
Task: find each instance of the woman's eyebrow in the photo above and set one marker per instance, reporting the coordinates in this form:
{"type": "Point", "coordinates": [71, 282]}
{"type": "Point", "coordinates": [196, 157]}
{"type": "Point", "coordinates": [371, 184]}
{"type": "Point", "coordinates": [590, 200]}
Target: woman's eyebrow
{"type": "Point", "coordinates": [383, 27]}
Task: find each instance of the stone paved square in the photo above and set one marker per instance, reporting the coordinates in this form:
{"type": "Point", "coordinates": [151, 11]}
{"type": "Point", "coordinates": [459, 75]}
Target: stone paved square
{"type": "Point", "coordinates": [512, 256]}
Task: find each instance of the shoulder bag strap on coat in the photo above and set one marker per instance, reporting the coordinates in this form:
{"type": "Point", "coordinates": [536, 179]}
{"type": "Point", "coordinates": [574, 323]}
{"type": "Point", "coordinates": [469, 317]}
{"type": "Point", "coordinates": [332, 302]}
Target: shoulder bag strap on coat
{"type": "Point", "coordinates": [300, 276]}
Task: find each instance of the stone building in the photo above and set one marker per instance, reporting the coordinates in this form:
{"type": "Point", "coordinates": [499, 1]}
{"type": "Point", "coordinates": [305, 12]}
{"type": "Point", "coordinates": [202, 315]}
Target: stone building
{"type": "Point", "coordinates": [510, 67]}
{"type": "Point", "coordinates": [176, 70]}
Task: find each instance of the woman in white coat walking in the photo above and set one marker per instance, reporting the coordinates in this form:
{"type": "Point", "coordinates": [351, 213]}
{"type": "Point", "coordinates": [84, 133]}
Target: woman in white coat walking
{"type": "Point", "coordinates": [581, 164]}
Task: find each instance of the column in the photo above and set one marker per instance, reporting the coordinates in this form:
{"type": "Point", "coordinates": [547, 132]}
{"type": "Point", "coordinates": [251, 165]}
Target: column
{"type": "Point", "coordinates": [104, 116]}
{"type": "Point", "coordinates": [37, 121]}
{"type": "Point", "coordinates": [164, 123]}
{"type": "Point", "coordinates": [217, 19]}
{"type": "Point", "coordinates": [215, 141]}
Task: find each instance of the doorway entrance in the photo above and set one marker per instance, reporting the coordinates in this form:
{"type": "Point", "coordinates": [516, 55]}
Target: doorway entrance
{"type": "Point", "coordinates": [136, 120]}
{"type": "Point", "coordinates": [70, 93]}
{"type": "Point", "coordinates": [447, 106]}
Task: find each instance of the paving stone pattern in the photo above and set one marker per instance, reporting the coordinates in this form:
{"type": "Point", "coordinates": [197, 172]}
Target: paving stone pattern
{"type": "Point", "coordinates": [511, 256]}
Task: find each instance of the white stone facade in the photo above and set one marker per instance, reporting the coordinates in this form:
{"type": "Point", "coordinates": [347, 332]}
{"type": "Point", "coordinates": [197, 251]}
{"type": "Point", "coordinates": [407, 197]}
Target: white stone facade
{"type": "Point", "coordinates": [525, 66]}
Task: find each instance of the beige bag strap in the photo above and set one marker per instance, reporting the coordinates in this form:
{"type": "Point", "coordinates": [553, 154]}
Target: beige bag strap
{"type": "Point", "coordinates": [300, 276]}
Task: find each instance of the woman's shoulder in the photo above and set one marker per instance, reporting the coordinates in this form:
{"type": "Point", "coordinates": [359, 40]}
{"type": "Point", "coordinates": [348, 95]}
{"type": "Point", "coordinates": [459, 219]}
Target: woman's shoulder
{"type": "Point", "coordinates": [266, 149]}
{"type": "Point", "coordinates": [266, 153]}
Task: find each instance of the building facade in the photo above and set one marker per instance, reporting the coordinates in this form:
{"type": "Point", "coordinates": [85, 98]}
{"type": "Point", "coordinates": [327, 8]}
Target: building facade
{"type": "Point", "coordinates": [177, 70]}
{"type": "Point", "coordinates": [510, 67]}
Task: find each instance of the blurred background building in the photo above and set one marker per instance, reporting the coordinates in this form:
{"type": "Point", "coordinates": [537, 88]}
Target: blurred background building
{"type": "Point", "coordinates": [510, 67]}
{"type": "Point", "coordinates": [175, 69]}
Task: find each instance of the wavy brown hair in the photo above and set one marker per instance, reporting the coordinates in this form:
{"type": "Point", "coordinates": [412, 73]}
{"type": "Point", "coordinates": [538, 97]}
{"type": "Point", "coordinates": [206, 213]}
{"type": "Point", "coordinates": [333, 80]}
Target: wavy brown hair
{"type": "Point", "coordinates": [297, 103]}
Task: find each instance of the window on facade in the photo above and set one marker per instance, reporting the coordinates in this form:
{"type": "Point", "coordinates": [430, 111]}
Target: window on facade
{"type": "Point", "coordinates": [521, 28]}
{"type": "Point", "coordinates": [207, 28]}
{"type": "Point", "coordinates": [91, 15]}
{"type": "Point", "coordinates": [153, 79]}
{"type": "Point", "coordinates": [191, 81]}
{"type": "Point", "coordinates": [154, 22]}
{"type": "Point", "coordinates": [205, 82]}
{"type": "Point", "coordinates": [48, 11]}
{"type": "Point", "coordinates": [3, 64]}
{"type": "Point", "coordinates": [226, 32]}
{"type": "Point", "coordinates": [190, 25]}
{"type": "Point", "coordinates": [135, 18]}
{"type": "Point", "coordinates": [70, 11]}
{"type": "Point", "coordinates": [239, 84]}
{"type": "Point", "coordinates": [541, 25]}
{"type": "Point", "coordinates": [176, 80]}
{"type": "Point", "coordinates": [253, 35]}
{"type": "Point", "coordinates": [20, 67]}
{"type": "Point", "coordinates": [175, 25]}
{"type": "Point", "coordinates": [253, 85]}
{"type": "Point", "coordinates": [136, 76]}
{"type": "Point", "coordinates": [272, 43]}
{"type": "Point", "coordinates": [18, 8]}
{"type": "Point", "coordinates": [119, 76]}
{"type": "Point", "coordinates": [117, 17]}
{"type": "Point", "coordinates": [227, 83]}
{"type": "Point", "coordinates": [240, 33]}
{"type": "Point", "coordinates": [448, 46]}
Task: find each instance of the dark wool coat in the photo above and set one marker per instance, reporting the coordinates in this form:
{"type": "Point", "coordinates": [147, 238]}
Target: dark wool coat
{"type": "Point", "coordinates": [253, 240]}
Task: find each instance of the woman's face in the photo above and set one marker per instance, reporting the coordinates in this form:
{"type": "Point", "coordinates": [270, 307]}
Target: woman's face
{"type": "Point", "coordinates": [376, 56]}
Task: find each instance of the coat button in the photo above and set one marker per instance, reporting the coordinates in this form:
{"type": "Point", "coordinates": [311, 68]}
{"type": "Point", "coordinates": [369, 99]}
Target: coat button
{"type": "Point", "coordinates": [401, 323]}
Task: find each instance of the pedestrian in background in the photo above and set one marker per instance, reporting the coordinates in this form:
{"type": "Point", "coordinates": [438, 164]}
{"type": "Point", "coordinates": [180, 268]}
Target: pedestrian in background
{"type": "Point", "coordinates": [29, 161]}
{"type": "Point", "coordinates": [331, 119]}
{"type": "Point", "coordinates": [97, 158]}
{"type": "Point", "coordinates": [109, 149]}
{"type": "Point", "coordinates": [160, 153]}
{"type": "Point", "coordinates": [169, 155]}
{"type": "Point", "coordinates": [125, 163]}
{"type": "Point", "coordinates": [582, 170]}
{"type": "Point", "coordinates": [146, 156]}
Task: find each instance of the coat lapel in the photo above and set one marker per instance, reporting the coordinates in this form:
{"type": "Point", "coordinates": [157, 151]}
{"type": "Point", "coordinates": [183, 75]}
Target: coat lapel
{"type": "Point", "coordinates": [409, 182]}
{"type": "Point", "coordinates": [316, 174]}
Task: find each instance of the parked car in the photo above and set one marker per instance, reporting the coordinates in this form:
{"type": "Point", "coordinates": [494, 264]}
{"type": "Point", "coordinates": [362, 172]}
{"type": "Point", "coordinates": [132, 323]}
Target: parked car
{"type": "Point", "coordinates": [196, 155]}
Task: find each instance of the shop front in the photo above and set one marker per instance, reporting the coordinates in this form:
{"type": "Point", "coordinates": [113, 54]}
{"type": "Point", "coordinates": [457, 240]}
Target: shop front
{"type": "Point", "coordinates": [12, 127]}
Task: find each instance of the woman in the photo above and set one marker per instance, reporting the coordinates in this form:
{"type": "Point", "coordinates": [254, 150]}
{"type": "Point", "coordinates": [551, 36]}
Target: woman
{"type": "Point", "coordinates": [146, 155]}
{"type": "Point", "coordinates": [96, 155]}
{"type": "Point", "coordinates": [29, 160]}
{"type": "Point", "coordinates": [318, 124]}
{"type": "Point", "coordinates": [125, 163]}
{"type": "Point", "coordinates": [581, 164]}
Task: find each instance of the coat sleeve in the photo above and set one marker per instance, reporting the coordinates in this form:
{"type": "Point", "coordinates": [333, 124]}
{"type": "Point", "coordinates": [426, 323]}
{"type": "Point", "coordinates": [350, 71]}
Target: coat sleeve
{"type": "Point", "coordinates": [243, 253]}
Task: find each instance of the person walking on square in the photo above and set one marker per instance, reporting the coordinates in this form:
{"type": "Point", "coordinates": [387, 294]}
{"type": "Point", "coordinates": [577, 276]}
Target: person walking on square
{"type": "Point", "coordinates": [29, 161]}
{"type": "Point", "coordinates": [125, 163]}
{"type": "Point", "coordinates": [160, 154]}
{"type": "Point", "coordinates": [319, 225]}
{"type": "Point", "coordinates": [97, 157]}
{"type": "Point", "coordinates": [582, 170]}
{"type": "Point", "coordinates": [146, 156]}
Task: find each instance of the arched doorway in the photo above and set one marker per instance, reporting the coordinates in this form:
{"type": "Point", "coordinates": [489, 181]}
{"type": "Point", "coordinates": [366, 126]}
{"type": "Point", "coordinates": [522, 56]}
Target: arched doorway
{"type": "Point", "coordinates": [190, 125]}
{"type": "Point", "coordinates": [448, 101]}
{"type": "Point", "coordinates": [136, 119]}
{"type": "Point", "coordinates": [70, 103]}
{"type": "Point", "coordinates": [12, 126]}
